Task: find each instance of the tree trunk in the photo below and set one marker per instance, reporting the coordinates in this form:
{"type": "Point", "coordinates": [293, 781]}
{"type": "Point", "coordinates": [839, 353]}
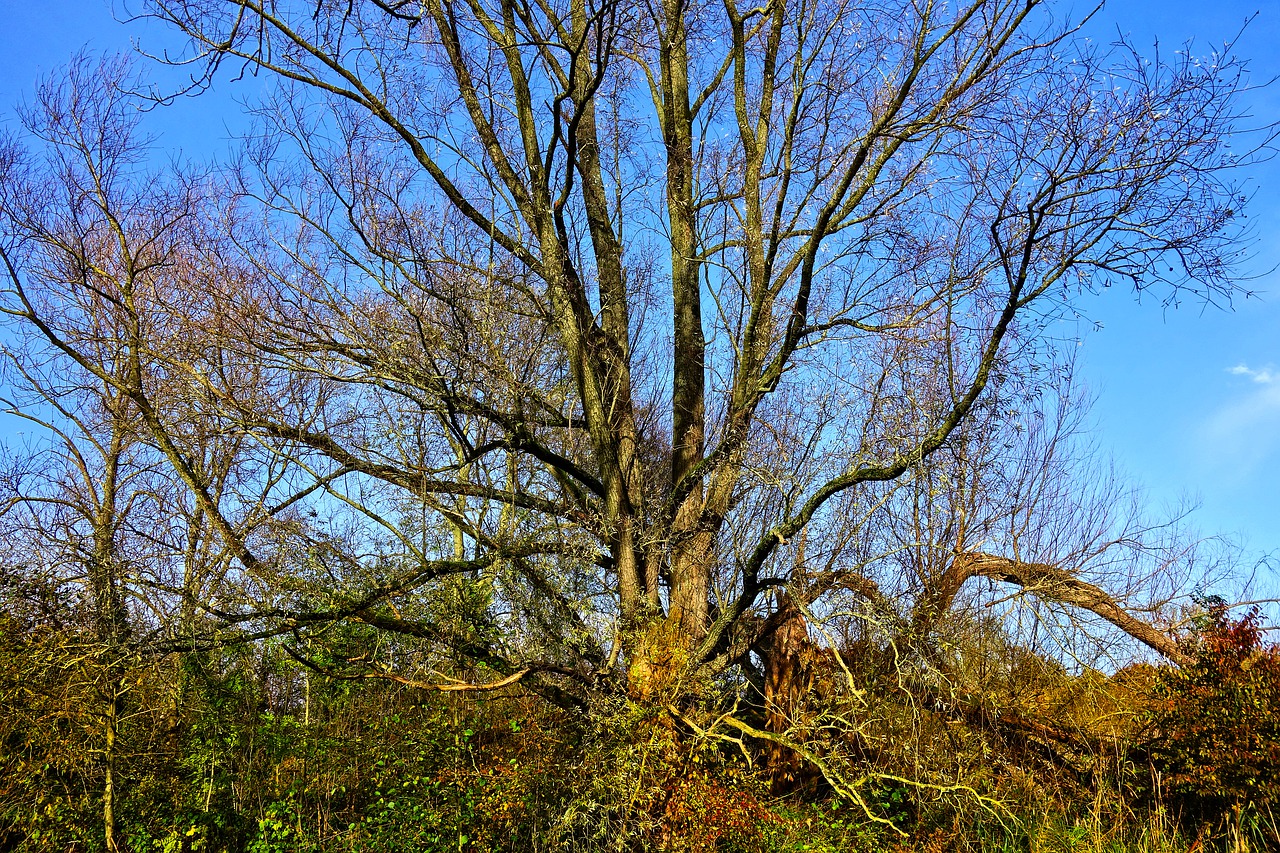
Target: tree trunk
{"type": "Point", "coordinates": [788, 678]}
{"type": "Point", "coordinates": [109, 794]}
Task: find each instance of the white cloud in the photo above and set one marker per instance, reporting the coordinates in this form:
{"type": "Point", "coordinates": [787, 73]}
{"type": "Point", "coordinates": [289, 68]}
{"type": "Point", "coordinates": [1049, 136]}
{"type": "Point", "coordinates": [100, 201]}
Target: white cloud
{"type": "Point", "coordinates": [1264, 376]}
{"type": "Point", "coordinates": [1256, 411]}
{"type": "Point", "coordinates": [1240, 440]}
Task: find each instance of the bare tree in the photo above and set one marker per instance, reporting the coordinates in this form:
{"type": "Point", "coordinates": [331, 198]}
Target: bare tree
{"type": "Point", "coordinates": [92, 523]}
{"type": "Point", "coordinates": [593, 310]}
{"type": "Point", "coordinates": [64, 511]}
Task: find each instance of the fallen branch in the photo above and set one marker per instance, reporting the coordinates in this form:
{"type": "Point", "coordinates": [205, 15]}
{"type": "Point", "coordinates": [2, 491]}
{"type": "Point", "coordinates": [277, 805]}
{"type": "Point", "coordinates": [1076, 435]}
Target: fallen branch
{"type": "Point", "coordinates": [1055, 584]}
{"type": "Point", "coordinates": [839, 784]}
{"type": "Point", "coordinates": [447, 687]}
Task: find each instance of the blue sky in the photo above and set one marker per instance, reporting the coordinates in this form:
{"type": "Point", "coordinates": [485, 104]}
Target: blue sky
{"type": "Point", "coordinates": [1188, 398]}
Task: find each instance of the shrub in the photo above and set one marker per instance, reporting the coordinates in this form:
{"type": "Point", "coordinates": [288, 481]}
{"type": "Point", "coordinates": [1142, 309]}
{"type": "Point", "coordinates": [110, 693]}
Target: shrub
{"type": "Point", "coordinates": [1214, 729]}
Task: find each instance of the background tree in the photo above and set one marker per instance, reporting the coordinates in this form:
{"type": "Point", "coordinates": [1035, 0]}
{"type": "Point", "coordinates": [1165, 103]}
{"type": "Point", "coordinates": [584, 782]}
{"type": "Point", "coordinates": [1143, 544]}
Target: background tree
{"type": "Point", "coordinates": [110, 564]}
